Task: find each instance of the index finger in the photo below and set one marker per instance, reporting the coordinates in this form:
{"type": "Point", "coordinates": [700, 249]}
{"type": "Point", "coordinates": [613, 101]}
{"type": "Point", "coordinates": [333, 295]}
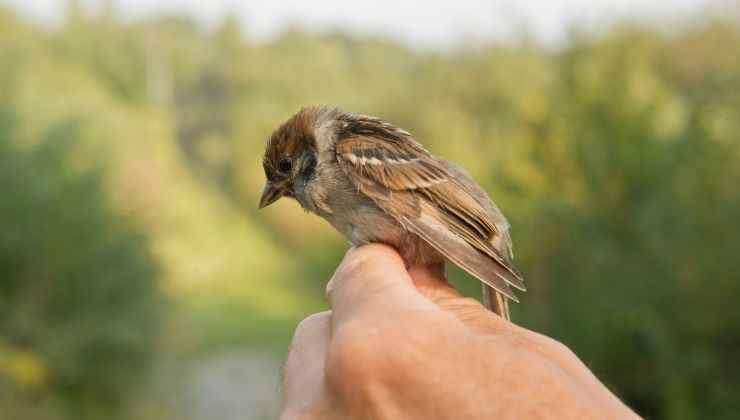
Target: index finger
{"type": "Point", "coordinates": [372, 280]}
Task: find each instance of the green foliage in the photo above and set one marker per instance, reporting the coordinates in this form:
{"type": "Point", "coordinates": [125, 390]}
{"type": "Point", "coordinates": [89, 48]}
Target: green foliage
{"type": "Point", "coordinates": [641, 272]}
{"type": "Point", "coordinates": [617, 160]}
{"type": "Point", "coordinates": [79, 304]}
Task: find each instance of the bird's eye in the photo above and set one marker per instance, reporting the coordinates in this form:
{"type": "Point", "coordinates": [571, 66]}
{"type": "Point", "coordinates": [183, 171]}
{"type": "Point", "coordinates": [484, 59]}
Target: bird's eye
{"type": "Point", "coordinates": [285, 164]}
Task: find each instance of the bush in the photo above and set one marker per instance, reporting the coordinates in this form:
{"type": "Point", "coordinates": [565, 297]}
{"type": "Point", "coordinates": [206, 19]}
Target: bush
{"type": "Point", "coordinates": [79, 302]}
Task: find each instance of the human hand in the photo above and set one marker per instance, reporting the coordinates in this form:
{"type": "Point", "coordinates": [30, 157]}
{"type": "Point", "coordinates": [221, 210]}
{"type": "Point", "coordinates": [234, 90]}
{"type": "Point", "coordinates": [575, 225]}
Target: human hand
{"type": "Point", "coordinates": [403, 343]}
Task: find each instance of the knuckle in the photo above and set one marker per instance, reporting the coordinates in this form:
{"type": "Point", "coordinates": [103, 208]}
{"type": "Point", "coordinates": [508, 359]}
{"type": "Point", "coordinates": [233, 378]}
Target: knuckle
{"type": "Point", "coordinates": [362, 263]}
{"type": "Point", "coordinates": [310, 324]}
{"type": "Point", "coordinates": [353, 354]}
{"type": "Point", "coordinates": [312, 320]}
{"type": "Point", "coordinates": [370, 354]}
{"type": "Point", "coordinates": [559, 348]}
{"type": "Point", "coordinates": [353, 265]}
{"type": "Point", "coordinates": [360, 256]}
{"type": "Point", "coordinates": [551, 348]}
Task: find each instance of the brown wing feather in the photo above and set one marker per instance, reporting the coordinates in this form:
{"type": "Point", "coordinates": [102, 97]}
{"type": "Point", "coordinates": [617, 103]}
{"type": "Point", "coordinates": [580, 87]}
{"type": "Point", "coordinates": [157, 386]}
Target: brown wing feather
{"type": "Point", "coordinates": [382, 169]}
{"type": "Point", "coordinates": [467, 218]}
{"type": "Point", "coordinates": [428, 225]}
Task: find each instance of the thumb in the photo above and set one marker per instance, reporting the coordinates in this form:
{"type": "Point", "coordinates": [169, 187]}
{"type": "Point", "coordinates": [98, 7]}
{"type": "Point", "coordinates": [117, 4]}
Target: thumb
{"type": "Point", "coordinates": [372, 280]}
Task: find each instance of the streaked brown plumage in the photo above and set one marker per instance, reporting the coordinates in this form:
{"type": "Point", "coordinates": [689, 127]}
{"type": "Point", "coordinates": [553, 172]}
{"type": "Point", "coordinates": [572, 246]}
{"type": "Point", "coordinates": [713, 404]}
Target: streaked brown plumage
{"type": "Point", "coordinates": [375, 183]}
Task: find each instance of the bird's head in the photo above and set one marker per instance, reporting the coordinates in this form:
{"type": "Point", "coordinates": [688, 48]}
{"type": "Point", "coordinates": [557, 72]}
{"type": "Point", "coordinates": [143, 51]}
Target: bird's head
{"type": "Point", "coordinates": [291, 156]}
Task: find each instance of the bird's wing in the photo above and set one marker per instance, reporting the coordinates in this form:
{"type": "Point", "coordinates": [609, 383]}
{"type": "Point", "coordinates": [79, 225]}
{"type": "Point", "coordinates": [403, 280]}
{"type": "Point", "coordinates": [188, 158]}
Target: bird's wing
{"type": "Point", "coordinates": [410, 184]}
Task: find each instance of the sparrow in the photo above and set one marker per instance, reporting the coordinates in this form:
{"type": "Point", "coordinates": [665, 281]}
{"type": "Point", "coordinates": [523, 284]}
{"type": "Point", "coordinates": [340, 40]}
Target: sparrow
{"type": "Point", "coordinates": [374, 182]}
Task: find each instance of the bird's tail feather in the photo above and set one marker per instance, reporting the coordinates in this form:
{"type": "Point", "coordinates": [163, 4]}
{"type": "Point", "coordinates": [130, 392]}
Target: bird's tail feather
{"type": "Point", "coordinates": [496, 302]}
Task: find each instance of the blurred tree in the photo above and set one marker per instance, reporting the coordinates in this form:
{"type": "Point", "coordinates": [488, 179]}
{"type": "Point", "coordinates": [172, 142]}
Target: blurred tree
{"type": "Point", "coordinates": [79, 304]}
{"type": "Point", "coordinates": [637, 258]}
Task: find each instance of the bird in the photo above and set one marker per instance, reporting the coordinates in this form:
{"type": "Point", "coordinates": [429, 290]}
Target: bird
{"type": "Point", "coordinates": [374, 182]}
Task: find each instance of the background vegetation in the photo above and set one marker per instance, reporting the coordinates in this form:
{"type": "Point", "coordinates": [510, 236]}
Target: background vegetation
{"type": "Point", "coordinates": [131, 248]}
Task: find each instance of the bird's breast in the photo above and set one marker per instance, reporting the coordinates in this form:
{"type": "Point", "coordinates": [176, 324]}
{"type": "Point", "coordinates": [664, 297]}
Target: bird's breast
{"type": "Point", "coordinates": [360, 220]}
{"type": "Point", "coordinates": [368, 223]}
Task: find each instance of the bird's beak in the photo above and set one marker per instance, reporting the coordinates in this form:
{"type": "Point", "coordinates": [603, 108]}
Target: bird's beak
{"type": "Point", "coordinates": [272, 192]}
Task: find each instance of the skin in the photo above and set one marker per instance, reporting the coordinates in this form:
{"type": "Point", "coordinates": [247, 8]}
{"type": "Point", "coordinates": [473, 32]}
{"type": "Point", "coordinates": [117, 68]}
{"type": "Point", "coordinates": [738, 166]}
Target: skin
{"type": "Point", "coordinates": [402, 343]}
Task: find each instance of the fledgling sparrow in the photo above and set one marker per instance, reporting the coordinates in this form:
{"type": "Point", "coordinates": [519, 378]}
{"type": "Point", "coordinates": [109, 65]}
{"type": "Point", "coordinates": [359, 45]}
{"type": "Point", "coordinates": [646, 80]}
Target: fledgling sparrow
{"type": "Point", "coordinates": [375, 183]}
